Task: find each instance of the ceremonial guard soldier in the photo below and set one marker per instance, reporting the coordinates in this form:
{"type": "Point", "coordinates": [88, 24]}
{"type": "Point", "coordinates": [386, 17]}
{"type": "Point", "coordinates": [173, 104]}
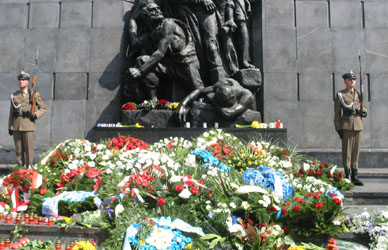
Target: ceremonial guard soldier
{"type": "Point", "coordinates": [22, 116]}
{"type": "Point", "coordinates": [348, 113]}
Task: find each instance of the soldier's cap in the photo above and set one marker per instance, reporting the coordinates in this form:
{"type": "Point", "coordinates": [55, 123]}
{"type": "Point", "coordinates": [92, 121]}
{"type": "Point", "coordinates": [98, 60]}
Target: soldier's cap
{"type": "Point", "coordinates": [24, 76]}
{"type": "Point", "coordinates": [349, 74]}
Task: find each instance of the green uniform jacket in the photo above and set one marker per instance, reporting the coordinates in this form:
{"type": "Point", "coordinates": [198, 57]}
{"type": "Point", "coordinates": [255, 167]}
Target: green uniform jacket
{"type": "Point", "coordinates": [348, 122]}
{"type": "Point", "coordinates": [20, 123]}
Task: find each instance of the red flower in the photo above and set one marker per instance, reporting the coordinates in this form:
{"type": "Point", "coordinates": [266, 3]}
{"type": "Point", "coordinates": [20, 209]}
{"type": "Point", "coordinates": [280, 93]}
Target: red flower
{"type": "Point", "coordinates": [330, 175]}
{"type": "Point", "coordinates": [43, 190]}
{"type": "Point", "coordinates": [317, 196]}
{"type": "Point", "coordinates": [286, 230]}
{"type": "Point", "coordinates": [284, 211]}
{"type": "Point", "coordinates": [160, 202]}
{"type": "Point", "coordinates": [318, 205]}
{"type": "Point", "coordinates": [319, 173]}
{"type": "Point", "coordinates": [287, 204]}
{"type": "Point", "coordinates": [309, 194]}
{"type": "Point", "coordinates": [226, 150]}
{"type": "Point", "coordinates": [162, 101]}
{"type": "Point", "coordinates": [179, 188]}
{"type": "Point", "coordinates": [194, 190]}
{"type": "Point", "coordinates": [311, 172]}
{"type": "Point", "coordinates": [296, 208]}
{"type": "Point", "coordinates": [337, 201]}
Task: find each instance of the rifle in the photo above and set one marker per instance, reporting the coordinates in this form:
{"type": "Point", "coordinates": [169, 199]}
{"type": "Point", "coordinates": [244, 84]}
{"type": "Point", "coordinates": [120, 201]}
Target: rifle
{"type": "Point", "coordinates": [33, 99]}
{"type": "Point", "coordinates": [361, 83]}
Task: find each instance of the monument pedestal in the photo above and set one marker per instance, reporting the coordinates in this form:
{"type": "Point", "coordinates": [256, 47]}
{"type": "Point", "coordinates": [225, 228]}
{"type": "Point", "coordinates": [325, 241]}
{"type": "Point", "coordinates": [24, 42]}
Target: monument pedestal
{"type": "Point", "coordinates": [151, 135]}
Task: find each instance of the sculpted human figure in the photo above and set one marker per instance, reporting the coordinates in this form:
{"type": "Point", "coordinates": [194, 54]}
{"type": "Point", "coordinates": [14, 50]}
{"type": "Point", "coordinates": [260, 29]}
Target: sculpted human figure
{"type": "Point", "coordinates": [236, 15]}
{"type": "Point", "coordinates": [228, 97]}
{"type": "Point", "coordinates": [200, 15]}
{"type": "Point", "coordinates": [173, 53]}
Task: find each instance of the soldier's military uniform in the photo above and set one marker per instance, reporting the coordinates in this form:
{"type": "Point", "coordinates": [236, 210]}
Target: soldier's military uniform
{"type": "Point", "coordinates": [348, 124]}
{"type": "Point", "coordinates": [21, 123]}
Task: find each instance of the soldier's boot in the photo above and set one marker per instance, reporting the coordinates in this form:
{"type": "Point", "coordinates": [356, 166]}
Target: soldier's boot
{"type": "Point", "coordinates": [347, 173]}
{"type": "Point", "coordinates": [355, 180]}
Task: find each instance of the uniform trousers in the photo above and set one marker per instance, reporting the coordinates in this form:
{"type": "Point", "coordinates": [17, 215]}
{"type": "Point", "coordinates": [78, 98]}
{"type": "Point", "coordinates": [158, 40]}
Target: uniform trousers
{"type": "Point", "coordinates": [24, 144]}
{"type": "Point", "coordinates": [351, 148]}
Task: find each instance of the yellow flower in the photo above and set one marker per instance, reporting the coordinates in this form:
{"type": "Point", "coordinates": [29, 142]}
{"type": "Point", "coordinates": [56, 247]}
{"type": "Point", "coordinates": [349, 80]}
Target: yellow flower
{"type": "Point", "coordinates": [189, 246]}
{"type": "Point", "coordinates": [296, 248]}
{"type": "Point", "coordinates": [137, 125]}
{"type": "Point", "coordinates": [255, 124]}
{"type": "Point", "coordinates": [68, 220]}
{"type": "Point", "coordinates": [84, 245]}
{"type": "Point", "coordinates": [173, 105]}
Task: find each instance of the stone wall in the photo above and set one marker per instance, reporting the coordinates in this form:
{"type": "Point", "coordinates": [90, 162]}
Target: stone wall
{"type": "Point", "coordinates": [79, 63]}
{"type": "Point", "coordinates": [302, 48]}
{"type": "Point", "coordinates": [307, 46]}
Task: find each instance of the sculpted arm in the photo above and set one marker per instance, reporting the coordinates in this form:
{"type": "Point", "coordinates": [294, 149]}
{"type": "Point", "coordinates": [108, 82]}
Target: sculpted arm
{"type": "Point", "coordinates": [167, 34]}
{"type": "Point", "coordinates": [183, 107]}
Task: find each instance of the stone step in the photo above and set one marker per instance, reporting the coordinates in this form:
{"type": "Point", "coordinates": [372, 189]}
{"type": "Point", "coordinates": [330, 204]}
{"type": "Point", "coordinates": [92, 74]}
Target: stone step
{"type": "Point", "coordinates": [370, 193]}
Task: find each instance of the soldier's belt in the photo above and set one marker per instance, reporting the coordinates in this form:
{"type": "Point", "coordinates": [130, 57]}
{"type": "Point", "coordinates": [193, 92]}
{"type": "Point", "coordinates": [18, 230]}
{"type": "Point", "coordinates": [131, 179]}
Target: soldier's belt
{"type": "Point", "coordinates": [22, 113]}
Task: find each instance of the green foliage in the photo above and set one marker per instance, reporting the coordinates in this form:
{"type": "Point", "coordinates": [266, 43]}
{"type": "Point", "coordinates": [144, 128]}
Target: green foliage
{"type": "Point", "coordinates": [68, 209]}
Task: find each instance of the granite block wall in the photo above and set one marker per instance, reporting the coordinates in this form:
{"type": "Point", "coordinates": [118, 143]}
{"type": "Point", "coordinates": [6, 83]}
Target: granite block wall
{"type": "Point", "coordinates": [308, 45]}
{"type": "Point", "coordinates": [79, 69]}
{"type": "Point", "coordinates": [302, 47]}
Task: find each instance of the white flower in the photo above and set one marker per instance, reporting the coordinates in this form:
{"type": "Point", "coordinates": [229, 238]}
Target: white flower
{"type": "Point", "coordinates": [118, 209]}
{"type": "Point", "coordinates": [250, 189]}
{"type": "Point", "coordinates": [185, 194]}
{"type": "Point", "coordinates": [208, 207]}
{"type": "Point", "coordinates": [245, 205]}
{"type": "Point", "coordinates": [306, 166]}
{"type": "Point", "coordinates": [91, 164]}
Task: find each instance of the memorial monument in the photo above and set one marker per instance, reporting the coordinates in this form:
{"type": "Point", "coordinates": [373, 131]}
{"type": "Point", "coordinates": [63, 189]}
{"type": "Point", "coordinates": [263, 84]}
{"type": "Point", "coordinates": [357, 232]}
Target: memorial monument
{"type": "Point", "coordinates": [184, 52]}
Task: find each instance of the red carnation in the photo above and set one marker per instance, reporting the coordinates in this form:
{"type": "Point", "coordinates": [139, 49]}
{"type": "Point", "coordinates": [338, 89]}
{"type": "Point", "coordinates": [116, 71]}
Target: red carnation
{"type": "Point", "coordinates": [296, 208]}
{"type": "Point", "coordinates": [337, 201]}
{"type": "Point", "coordinates": [160, 202]}
{"type": "Point", "coordinates": [179, 188]}
{"type": "Point", "coordinates": [318, 205]}
{"type": "Point", "coordinates": [43, 190]}
{"type": "Point", "coordinates": [194, 190]}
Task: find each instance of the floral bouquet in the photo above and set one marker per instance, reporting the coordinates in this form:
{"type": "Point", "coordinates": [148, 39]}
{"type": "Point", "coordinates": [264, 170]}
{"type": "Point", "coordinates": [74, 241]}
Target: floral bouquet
{"type": "Point", "coordinates": [160, 233]}
{"type": "Point", "coordinates": [123, 143]}
{"type": "Point", "coordinates": [129, 106]}
{"type": "Point", "coordinates": [314, 213]}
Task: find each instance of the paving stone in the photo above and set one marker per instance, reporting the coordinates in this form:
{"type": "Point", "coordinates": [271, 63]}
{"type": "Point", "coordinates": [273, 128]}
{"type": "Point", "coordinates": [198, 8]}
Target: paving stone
{"type": "Point", "coordinates": [73, 50]}
{"type": "Point", "coordinates": [44, 15]}
{"type": "Point", "coordinates": [76, 14]}
{"type": "Point", "coordinates": [13, 16]}
{"type": "Point", "coordinates": [71, 86]}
